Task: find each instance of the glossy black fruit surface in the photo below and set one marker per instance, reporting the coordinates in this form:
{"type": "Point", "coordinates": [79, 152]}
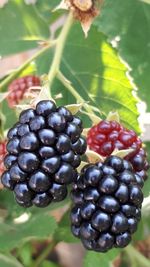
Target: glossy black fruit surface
{"type": "Point", "coordinates": [44, 149]}
{"type": "Point", "coordinates": [107, 200]}
{"type": "Point", "coordinates": [39, 181]}
{"type": "Point", "coordinates": [45, 107]}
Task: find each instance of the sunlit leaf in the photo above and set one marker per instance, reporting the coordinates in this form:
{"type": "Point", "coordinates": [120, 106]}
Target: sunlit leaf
{"type": "Point", "coordinates": [127, 24]}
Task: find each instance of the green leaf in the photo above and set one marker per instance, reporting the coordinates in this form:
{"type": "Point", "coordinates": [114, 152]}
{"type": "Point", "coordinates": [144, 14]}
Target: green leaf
{"type": "Point", "coordinates": [29, 70]}
{"type": "Point", "coordinates": [146, 1]}
{"type": "Point", "coordinates": [140, 233]}
{"type": "Point", "coordinates": [10, 115]}
{"type": "Point", "coordinates": [129, 22]}
{"type": "Point", "coordinates": [63, 231]}
{"type": "Point", "coordinates": [8, 203]}
{"type": "Point", "coordinates": [3, 96]}
{"type": "Point", "coordinates": [37, 227]}
{"type": "Point", "coordinates": [21, 27]}
{"type": "Point", "coordinates": [25, 254]}
{"type": "Point", "coordinates": [45, 8]}
{"type": "Point", "coordinates": [49, 264]}
{"type": "Point", "coordinates": [98, 75]}
{"type": "Point", "coordinates": [43, 62]}
{"type": "Point", "coordinates": [100, 259]}
{"type": "Point", "coordinates": [9, 261]}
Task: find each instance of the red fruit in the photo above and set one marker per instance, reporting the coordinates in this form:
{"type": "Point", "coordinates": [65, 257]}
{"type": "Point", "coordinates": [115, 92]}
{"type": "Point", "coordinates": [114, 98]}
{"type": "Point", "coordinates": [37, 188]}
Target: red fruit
{"type": "Point", "coordinates": [2, 155]}
{"type": "Point", "coordinates": [19, 87]}
{"type": "Point", "coordinates": [106, 136]}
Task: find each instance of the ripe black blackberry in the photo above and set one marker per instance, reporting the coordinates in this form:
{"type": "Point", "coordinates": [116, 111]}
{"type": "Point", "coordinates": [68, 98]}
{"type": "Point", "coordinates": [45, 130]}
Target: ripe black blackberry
{"type": "Point", "coordinates": [44, 149]}
{"type": "Point", "coordinates": [107, 202]}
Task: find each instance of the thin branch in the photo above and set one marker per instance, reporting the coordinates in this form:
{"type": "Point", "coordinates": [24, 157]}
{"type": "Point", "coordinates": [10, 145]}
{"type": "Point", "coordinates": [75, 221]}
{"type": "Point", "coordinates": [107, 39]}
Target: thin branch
{"type": "Point", "coordinates": [59, 49]}
{"type": "Point", "coordinates": [12, 76]}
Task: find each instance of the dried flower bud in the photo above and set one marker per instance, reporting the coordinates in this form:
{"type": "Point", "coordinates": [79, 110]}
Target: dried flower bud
{"type": "Point", "coordinates": [83, 10]}
{"type": "Point", "coordinates": [83, 5]}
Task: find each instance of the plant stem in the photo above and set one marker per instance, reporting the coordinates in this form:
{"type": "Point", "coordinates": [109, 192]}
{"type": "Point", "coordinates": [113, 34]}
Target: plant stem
{"type": "Point", "coordinates": [136, 256]}
{"type": "Point", "coordinates": [69, 86]}
{"type": "Point", "coordinates": [59, 49]}
{"type": "Point", "coordinates": [44, 254]}
{"type": "Point", "coordinates": [72, 90]}
{"type": "Point", "coordinates": [12, 76]}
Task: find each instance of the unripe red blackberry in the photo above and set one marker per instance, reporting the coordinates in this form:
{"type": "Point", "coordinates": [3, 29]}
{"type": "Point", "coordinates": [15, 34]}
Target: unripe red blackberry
{"type": "Point", "coordinates": [107, 136]}
{"type": "Point", "coordinates": [2, 155]}
{"type": "Point", "coordinates": [107, 200]}
{"type": "Point", "coordinates": [19, 87]}
{"type": "Point", "coordinates": [44, 149]}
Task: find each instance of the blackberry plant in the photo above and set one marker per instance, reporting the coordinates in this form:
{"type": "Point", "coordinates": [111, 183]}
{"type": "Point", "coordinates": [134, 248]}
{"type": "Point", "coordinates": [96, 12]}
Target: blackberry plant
{"type": "Point", "coordinates": [98, 67]}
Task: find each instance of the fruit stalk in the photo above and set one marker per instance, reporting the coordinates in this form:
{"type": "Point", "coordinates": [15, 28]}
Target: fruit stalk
{"type": "Point", "coordinates": [135, 256]}
{"type": "Point", "coordinates": [72, 90]}
{"type": "Point", "coordinates": [16, 73]}
{"type": "Point", "coordinates": [59, 49]}
{"type": "Point", "coordinates": [44, 254]}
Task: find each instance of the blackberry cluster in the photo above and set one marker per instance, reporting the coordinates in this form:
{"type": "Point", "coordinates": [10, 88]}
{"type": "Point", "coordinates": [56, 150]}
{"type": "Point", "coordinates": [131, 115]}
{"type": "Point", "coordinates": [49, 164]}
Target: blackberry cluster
{"type": "Point", "coordinates": [107, 136]}
{"type": "Point", "coordinates": [19, 87]}
{"type": "Point", "coordinates": [107, 200]}
{"type": "Point", "coordinates": [44, 150]}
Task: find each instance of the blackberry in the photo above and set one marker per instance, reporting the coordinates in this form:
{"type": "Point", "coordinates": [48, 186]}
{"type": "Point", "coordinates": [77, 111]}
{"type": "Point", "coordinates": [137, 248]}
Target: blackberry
{"type": "Point", "coordinates": [51, 165]}
{"type": "Point", "coordinates": [17, 174]}
{"type": "Point", "coordinates": [107, 136]}
{"type": "Point", "coordinates": [44, 149]}
{"type": "Point", "coordinates": [107, 200]}
{"type": "Point", "coordinates": [25, 117]}
{"type": "Point", "coordinates": [19, 87]}
{"type": "Point", "coordinates": [7, 181]}
{"type": "Point", "coordinates": [39, 182]}
{"type": "Point", "coordinates": [42, 200]}
{"type": "Point", "coordinates": [37, 123]}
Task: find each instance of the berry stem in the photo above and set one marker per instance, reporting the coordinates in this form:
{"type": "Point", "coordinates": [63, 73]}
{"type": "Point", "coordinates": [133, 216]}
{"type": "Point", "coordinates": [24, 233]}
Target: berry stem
{"type": "Point", "coordinates": [136, 256]}
{"type": "Point", "coordinates": [12, 76]}
{"type": "Point", "coordinates": [44, 254]}
{"type": "Point", "coordinates": [59, 49]}
{"type": "Point", "coordinates": [72, 90]}
{"type": "Point", "coordinates": [69, 86]}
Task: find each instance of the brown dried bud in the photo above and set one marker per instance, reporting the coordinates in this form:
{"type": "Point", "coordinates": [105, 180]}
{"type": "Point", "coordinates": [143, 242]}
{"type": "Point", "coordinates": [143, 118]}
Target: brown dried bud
{"type": "Point", "coordinates": [83, 5]}
{"type": "Point", "coordinates": [83, 10]}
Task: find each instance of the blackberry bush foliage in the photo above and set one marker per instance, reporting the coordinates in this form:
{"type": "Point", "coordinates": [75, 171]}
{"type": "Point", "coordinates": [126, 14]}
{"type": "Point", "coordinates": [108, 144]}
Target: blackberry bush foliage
{"type": "Point", "coordinates": [44, 150]}
{"type": "Point", "coordinates": [107, 199]}
{"type": "Point", "coordinates": [107, 136]}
